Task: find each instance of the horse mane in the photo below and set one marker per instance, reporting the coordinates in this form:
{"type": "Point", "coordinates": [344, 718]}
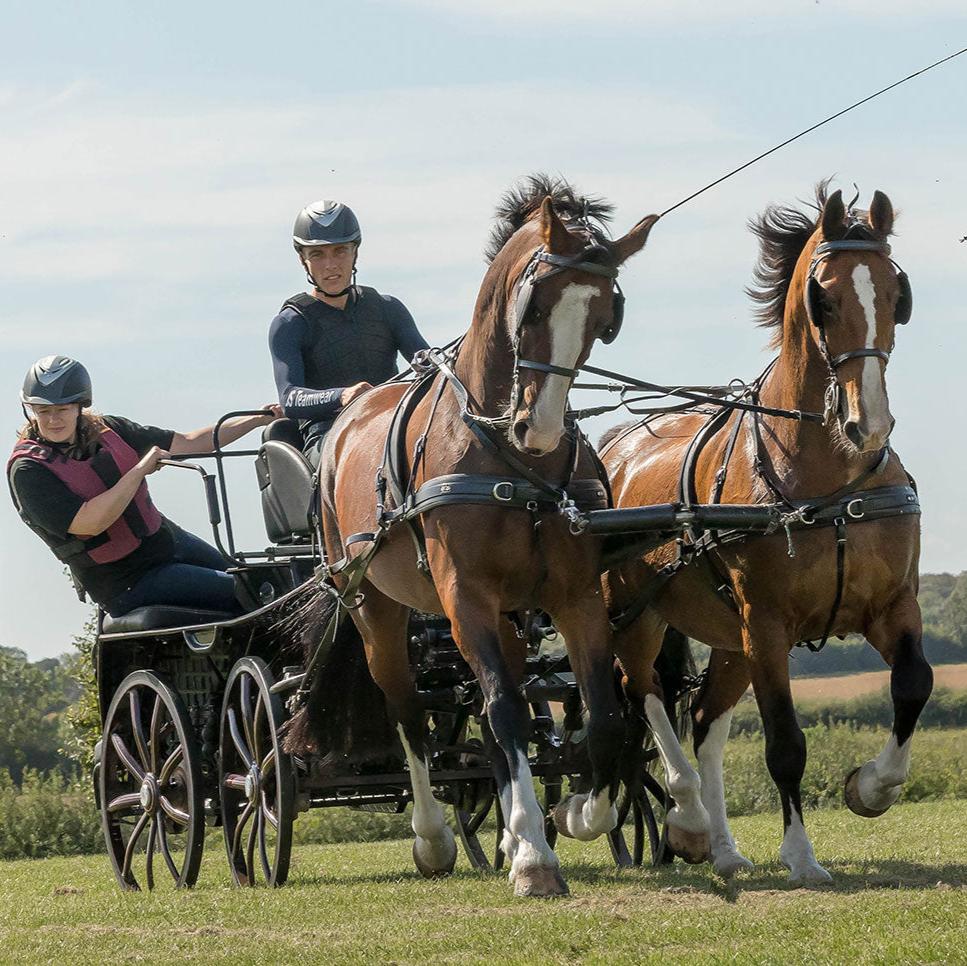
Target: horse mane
{"type": "Point", "coordinates": [782, 232]}
{"type": "Point", "coordinates": [521, 202]}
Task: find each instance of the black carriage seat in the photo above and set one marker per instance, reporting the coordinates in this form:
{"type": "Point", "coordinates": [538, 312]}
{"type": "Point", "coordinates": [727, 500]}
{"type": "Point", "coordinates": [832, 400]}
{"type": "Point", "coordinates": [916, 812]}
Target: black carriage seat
{"type": "Point", "coordinates": [286, 480]}
{"type": "Point", "coordinates": [159, 616]}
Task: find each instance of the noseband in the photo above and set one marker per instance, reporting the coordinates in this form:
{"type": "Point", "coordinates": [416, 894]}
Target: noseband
{"type": "Point", "coordinates": [525, 287]}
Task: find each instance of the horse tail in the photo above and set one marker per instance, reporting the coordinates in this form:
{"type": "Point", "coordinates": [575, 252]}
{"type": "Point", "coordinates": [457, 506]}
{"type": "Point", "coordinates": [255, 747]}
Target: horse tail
{"type": "Point", "coordinates": [344, 719]}
{"type": "Point", "coordinates": [675, 666]}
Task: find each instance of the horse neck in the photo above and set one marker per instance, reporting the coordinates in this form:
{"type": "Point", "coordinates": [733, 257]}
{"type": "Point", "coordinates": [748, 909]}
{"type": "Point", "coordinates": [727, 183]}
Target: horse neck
{"type": "Point", "coordinates": [485, 364]}
{"type": "Point", "coordinates": [805, 456]}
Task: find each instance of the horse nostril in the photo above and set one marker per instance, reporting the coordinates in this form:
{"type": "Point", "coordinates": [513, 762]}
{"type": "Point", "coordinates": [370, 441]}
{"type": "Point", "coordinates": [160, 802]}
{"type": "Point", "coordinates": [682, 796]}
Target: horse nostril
{"type": "Point", "coordinates": [520, 430]}
{"type": "Point", "coordinates": [852, 430]}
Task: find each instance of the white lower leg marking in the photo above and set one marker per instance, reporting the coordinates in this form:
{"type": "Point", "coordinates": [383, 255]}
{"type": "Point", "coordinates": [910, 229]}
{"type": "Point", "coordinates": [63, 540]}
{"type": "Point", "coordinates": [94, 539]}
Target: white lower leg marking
{"type": "Point", "coordinates": [509, 841]}
{"type": "Point", "coordinates": [526, 821]}
{"type": "Point", "coordinates": [726, 858]}
{"type": "Point", "coordinates": [797, 854]}
{"type": "Point", "coordinates": [434, 838]}
{"type": "Point", "coordinates": [684, 785]}
{"type": "Point", "coordinates": [881, 779]}
{"type": "Point", "coordinates": [587, 815]}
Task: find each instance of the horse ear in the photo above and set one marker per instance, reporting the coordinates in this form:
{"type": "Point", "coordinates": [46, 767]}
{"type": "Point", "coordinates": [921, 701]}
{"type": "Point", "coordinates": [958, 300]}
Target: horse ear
{"type": "Point", "coordinates": [553, 233]}
{"type": "Point", "coordinates": [833, 219]}
{"type": "Point", "coordinates": [881, 214]}
{"type": "Point", "coordinates": [634, 241]}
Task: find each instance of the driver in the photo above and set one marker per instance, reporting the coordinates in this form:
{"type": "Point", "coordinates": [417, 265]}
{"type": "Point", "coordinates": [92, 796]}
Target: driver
{"type": "Point", "coordinates": [77, 479]}
{"type": "Point", "coordinates": [339, 339]}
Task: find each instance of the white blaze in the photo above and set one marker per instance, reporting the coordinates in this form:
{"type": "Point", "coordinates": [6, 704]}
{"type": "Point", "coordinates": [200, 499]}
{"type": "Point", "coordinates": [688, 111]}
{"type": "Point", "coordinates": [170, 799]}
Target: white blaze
{"type": "Point", "coordinates": [567, 325]}
{"type": "Point", "coordinates": [873, 401]}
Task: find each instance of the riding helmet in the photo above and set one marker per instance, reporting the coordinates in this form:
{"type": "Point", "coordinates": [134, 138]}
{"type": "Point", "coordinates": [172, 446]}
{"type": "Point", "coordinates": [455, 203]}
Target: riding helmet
{"type": "Point", "coordinates": [56, 381]}
{"type": "Point", "coordinates": [325, 223]}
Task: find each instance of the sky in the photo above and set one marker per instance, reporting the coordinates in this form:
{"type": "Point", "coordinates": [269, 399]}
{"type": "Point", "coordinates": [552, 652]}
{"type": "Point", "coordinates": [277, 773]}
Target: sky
{"type": "Point", "coordinates": [153, 157]}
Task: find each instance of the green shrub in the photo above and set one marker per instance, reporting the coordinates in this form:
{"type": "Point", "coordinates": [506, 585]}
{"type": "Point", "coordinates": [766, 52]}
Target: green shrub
{"type": "Point", "coordinates": [938, 767]}
{"type": "Point", "coordinates": [47, 815]}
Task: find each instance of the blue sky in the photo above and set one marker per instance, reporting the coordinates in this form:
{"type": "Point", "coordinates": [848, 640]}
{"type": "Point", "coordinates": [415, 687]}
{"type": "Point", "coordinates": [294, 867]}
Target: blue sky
{"type": "Point", "coordinates": [154, 156]}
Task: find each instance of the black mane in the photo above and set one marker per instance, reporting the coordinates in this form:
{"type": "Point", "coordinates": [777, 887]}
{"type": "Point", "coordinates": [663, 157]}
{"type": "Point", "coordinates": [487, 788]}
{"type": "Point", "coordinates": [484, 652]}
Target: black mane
{"type": "Point", "coordinates": [782, 232]}
{"type": "Point", "coordinates": [523, 200]}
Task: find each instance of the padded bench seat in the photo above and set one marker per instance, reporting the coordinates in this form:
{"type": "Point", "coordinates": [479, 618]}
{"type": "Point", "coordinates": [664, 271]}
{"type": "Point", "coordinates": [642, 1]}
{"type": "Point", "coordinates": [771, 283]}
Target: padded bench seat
{"type": "Point", "coordinates": [157, 617]}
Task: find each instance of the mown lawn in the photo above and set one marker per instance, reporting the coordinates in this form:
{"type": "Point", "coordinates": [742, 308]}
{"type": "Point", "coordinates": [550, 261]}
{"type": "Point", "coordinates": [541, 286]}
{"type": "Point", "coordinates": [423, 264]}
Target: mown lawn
{"type": "Point", "coordinates": [900, 894]}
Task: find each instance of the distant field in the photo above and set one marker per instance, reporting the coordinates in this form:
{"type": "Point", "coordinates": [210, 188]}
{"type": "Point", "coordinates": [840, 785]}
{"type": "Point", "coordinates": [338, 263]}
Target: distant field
{"type": "Point", "coordinates": [953, 676]}
{"type": "Point", "coordinates": [899, 895]}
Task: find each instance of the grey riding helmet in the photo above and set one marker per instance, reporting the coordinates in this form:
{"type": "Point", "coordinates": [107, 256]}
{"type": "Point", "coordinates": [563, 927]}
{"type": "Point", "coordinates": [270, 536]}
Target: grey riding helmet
{"type": "Point", "coordinates": [56, 381]}
{"type": "Point", "coordinates": [325, 223]}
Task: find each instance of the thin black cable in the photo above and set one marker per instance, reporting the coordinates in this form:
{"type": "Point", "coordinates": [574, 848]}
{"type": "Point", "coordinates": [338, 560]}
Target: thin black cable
{"type": "Point", "coordinates": [832, 117]}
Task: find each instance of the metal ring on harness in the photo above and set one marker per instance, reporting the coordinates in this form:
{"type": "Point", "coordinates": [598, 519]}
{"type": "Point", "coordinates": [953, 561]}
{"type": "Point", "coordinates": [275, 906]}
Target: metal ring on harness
{"type": "Point", "coordinates": [501, 488]}
{"type": "Point", "coordinates": [851, 513]}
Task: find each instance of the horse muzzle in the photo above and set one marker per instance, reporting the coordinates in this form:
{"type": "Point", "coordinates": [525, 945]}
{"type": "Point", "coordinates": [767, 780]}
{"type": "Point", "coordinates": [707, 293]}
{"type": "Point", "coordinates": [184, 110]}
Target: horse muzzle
{"type": "Point", "coordinates": [530, 440]}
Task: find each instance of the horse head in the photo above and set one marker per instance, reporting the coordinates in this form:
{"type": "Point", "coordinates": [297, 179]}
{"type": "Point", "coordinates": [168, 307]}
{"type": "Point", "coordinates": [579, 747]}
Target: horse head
{"type": "Point", "coordinates": [553, 286]}
{"type": "Point", "coordinates": [849, 296]}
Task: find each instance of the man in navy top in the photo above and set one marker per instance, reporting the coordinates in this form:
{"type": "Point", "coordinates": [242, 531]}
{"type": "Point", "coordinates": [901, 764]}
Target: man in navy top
{"type": "Point", "coordinates": [339, 339]}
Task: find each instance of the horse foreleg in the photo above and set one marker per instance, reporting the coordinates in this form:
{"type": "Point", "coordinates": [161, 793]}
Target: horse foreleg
{"type": "Point", "coordinates": [768, 656]}
{"type": "Point", "coordinates": [535, 870]}
{"type": "Point", "coordinates": [382, 623]}
{"type": "Point", "coordinates": [687, 821]}
{"type": "Point", "coordinates": [584, 624]}
{"type": "Point", "coordinates": [871, 789]}
{"type": "Point", "coordinates": [726, 681]}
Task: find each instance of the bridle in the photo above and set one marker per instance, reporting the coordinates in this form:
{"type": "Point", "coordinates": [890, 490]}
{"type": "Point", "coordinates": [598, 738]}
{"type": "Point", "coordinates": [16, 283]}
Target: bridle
{"type": "Point", "coordinates": [861, 241]}
{"type": "Point", "coordinates": [524, 289]}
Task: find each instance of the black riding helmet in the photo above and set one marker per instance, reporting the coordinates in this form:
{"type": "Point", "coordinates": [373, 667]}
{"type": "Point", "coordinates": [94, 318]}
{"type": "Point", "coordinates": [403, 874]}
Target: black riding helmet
{"type": "Point", "coordinates": [325, 223]}
{"type": "Point", "coordinates": [56, 381]}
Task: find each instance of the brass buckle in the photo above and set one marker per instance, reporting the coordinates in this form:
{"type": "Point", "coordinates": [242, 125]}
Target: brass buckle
{"type": "Point", "coordinates": [502, 488]}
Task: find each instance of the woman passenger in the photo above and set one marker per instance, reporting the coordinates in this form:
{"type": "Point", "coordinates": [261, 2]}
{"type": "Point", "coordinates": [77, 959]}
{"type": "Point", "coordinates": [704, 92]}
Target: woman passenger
{"type": "Point", "coordinates": [77, 479]}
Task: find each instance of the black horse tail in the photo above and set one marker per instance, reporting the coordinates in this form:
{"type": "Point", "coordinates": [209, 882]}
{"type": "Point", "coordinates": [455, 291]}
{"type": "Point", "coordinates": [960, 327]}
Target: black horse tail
{"type": "Point", "coordinates": [675, 666]}
{"type": "Point", "coordinates": [344, 720]}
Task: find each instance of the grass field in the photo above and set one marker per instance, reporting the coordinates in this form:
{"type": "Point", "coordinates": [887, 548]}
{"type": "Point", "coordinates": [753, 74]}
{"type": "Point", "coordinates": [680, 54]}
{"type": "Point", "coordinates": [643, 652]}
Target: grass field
{"type": "Point", "coordinates": [900, 894]}
{"type": "Point", "coordinates": [953, 676]}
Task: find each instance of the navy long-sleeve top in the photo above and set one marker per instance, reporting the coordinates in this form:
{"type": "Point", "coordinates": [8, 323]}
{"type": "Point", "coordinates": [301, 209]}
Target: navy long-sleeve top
{"type": "Point", "coordinates": [318, 351]}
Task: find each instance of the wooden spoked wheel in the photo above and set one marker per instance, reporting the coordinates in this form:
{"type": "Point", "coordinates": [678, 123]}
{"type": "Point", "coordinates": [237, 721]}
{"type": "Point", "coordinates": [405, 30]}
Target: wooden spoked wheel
{"type": "Point", "coordinates": [150, 782]}
{"type": "Point", "coordinates": [256, 779]}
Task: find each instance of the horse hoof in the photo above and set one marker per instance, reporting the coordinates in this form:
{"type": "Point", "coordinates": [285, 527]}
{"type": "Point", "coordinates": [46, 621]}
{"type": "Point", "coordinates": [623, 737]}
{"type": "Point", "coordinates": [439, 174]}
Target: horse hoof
{"type": "Point", "coordinates": [436, 863]}
{"type": "Point", "coordinates": [729, 863]}
{"type": "Point", "coordinates": [851, 794]}
{"type": "Point", "coordinates": [560, 814]}
{"type": "Point", "coordinates": [540, 882]}
{"type": "Point", "coordinates": [693, 847]}
{"type": "Point", "coordinates": [810, 875]}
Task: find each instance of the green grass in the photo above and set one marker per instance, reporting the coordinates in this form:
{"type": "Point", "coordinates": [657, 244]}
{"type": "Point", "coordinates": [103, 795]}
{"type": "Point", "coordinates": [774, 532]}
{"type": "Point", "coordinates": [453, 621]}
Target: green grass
{"type": "Point", "coordinates": [900, 893]}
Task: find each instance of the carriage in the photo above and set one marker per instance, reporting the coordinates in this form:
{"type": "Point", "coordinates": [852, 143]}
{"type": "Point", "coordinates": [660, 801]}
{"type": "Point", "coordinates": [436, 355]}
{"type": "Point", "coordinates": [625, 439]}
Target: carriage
{"type": "Point", "coordinates": [193, 704]}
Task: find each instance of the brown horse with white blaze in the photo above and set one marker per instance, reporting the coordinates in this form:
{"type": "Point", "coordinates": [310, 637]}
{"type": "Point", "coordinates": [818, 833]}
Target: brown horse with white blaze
{"type": "Point", "coordinates": [486, 562]}
{"type": "Point", "coordinates": [834, 296]}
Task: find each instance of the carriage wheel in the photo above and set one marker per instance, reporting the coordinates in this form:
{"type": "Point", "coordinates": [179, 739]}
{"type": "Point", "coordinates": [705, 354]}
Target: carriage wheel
{"type": "Point", "coordinates": [256, 780]}
{"type": "Point", "coordinates": [150, 786]}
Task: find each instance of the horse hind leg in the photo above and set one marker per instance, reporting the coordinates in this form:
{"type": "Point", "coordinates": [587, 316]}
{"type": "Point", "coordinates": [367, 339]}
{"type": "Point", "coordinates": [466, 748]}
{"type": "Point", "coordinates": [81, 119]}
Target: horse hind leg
{"type": "Point", "coordinates": [687, 821]}
{"type": "Point", "coordinates": [726, 681]}
{"type": "Point", "coordinates": [872, 788]}
{"type": "Point", "coordinates": [584, 624]}
{"type": "Point", "coordinates": [383, 624]}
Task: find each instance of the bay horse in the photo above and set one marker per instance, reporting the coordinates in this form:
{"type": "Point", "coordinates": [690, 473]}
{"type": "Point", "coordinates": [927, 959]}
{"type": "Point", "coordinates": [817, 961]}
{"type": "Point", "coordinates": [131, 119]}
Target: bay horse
{"type": "Point", "coordinates": [832, 294]}
{"type": "Point", "coordinates": [548, 294]}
